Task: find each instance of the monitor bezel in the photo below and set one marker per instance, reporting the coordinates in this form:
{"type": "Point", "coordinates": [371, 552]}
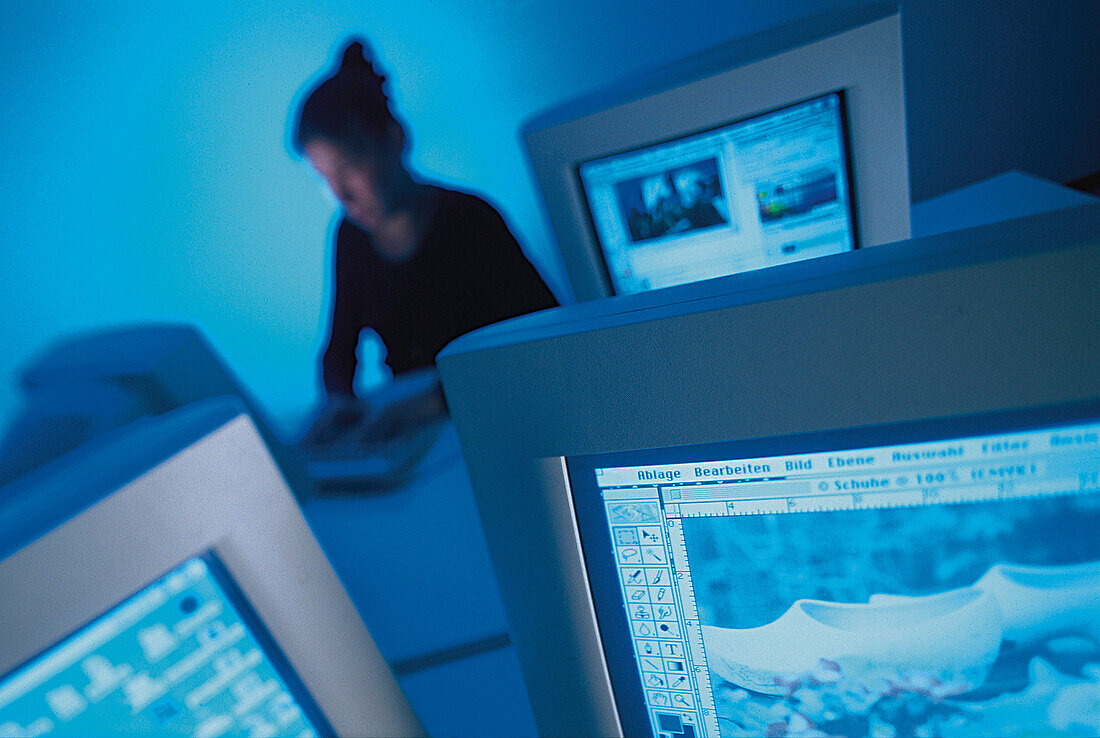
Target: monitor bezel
{"type": "Point", "coordinates": [850, 209]}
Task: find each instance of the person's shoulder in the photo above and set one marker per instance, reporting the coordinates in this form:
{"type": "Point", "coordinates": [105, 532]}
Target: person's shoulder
{"type": "Point", "coordinates": [352, 242]}
{"type": "Point", "coordinates": [352, 249]}
{"type": "Point", "coordinates": [348, 231]}
{"type": "Point", "coordinates": [466, 203]}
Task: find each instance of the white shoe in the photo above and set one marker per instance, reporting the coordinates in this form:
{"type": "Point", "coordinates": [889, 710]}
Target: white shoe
{"type": "Point", "coordinates": [954, 637]}
{"type": "Point", "coordinates": [1038, 602]}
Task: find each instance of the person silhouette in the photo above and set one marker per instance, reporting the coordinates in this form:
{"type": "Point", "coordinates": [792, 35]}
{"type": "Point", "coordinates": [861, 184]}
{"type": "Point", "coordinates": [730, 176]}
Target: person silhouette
{"type": "Point", "coordinates": [417, 263]}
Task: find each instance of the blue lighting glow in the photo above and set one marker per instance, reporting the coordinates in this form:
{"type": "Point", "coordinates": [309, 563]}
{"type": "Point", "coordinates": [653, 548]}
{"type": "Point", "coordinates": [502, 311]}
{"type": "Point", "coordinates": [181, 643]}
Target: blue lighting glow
{"type": "Point", "coordinates": [147, 175]}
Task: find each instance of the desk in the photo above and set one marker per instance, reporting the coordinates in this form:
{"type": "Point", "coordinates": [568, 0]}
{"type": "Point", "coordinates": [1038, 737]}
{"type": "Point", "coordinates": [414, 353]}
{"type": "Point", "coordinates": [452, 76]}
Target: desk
{"type": "Point", "coordinates": [415, 564]}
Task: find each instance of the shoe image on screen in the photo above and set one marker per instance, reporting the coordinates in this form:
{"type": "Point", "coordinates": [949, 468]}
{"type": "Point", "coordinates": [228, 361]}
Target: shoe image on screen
{"type": "Point", "coordinates": [901, 617]}
{"type": "Point", "coordinates": [940, 588]}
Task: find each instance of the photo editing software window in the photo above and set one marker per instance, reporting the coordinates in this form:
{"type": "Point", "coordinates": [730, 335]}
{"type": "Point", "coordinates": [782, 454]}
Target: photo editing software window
{"type": "Point", "coordinates": [184, 656]}
{"type": "Point", "coordinates": [947, 588]}
{"type": "Point", "coordinates": [759, 192]}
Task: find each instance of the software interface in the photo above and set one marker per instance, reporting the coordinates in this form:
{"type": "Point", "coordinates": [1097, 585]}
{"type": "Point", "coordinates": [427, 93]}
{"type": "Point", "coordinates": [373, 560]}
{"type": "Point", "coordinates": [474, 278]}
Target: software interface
{"type": "Point", "coordinates": [182, 657]}
{"type": "Point", "coordinates": [941, 588]}
{"type": "Point", "coordinates": [759, 192]}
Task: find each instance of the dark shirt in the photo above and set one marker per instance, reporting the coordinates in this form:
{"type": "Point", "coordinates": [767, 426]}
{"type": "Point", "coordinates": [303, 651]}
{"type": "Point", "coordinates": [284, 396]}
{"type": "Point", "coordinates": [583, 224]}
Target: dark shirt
{"type": "Point", "coordinates": [467, 273]}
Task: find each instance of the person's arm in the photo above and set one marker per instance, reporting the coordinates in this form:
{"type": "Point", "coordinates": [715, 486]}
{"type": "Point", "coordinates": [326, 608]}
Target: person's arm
{"type": "Point", "coordinates": [341, 410]}
{"type": "Point", "coordinates": [414, 410]}
{"type": "Point", "coordinates": [339, 360]}
{"type": "Point", "coordinates": [338, 417]}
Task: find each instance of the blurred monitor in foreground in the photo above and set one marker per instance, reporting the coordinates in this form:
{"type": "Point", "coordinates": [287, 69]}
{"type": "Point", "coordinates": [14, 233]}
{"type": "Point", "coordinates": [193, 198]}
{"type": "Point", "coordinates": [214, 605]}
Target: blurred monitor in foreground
{"type": "Point", "coordinates": [858, 496]}
{"type": "Point", "coordinates": [163, 581]}
{"type": "Point", "coordinates": [783, 146]}
{"type": "Point", "coordinates": [87, 384]}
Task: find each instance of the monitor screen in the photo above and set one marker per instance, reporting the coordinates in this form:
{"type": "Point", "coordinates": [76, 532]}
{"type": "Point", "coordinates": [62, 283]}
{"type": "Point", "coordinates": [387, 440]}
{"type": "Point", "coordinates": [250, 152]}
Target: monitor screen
{"type": "Point", "coordinates": [931, 578]}
{"type": "Point", "coordinates": [754, 193]}
{"type": "Point", "coordinates": [186, 655]}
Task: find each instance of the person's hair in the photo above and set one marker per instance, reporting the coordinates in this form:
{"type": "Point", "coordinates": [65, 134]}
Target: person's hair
{"type": "Point", "coordinates": [350, 107]}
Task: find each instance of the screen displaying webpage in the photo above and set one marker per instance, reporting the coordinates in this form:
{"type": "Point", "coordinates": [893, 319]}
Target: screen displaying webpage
{"type": "Point", "coordinates": [184, 656]}
{"type": "Point", "coordinates": [947, 588]}
{"type": "Point", "coordinates": [759, 192]}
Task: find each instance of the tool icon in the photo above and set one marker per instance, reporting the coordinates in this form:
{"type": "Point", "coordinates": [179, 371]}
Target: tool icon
{"type": "Point", "coordinates": [660, 699]}
{"type": "Point", "coordinates": [638, 594]}
{"type": "Point", "coordinates": [679, 699]}
{"type": "Point", "coordinates": [664, 611]}
{"type": "Point", "coordinates": [654, 554]}
{"type": "Point", "coordinates": [633, 578]}
{"type": "Point", "coordinates": [661, 594]}
{"type": "Point", "coordinates": [658, 576]}
{"type": "Point", "coordinates": [629, 553]}
{"type": "Point", "coordinates": [642, 613]}
{"type": "Point", "coordinates": [678, 681]}
{"type": "Point", "coordinates": [627, 537]}
{"type": "Point", "coordinates": [648, 648]}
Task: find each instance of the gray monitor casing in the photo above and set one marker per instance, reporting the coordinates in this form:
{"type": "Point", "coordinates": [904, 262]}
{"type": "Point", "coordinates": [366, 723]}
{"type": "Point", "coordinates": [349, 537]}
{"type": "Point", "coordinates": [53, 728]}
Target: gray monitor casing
{"type": "Point", "coordinates": [994, 318]}
{"type": "Point", "coordinates": [857, 50]}
{"type": "Point", "coordinates": [154, 494]}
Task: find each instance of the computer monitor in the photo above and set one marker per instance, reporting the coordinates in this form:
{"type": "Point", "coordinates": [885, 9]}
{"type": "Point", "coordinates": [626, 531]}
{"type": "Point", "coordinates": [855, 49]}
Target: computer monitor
{"type": "Point", "coordinates": [750, 194]}
{"type": "Point", "coordinates": [163, 580]}
{"type": "Point", "coordinates": [87, 384]}
{"type": "Point", "coordinates": [786, 145]}
{"type": "Point", "coordinates": [856, 495]}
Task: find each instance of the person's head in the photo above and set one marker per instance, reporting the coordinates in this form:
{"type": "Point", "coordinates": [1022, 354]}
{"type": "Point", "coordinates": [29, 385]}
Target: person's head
{"type": "Point", "coordinates": [689, 186]}
{"type": "Point", "coordinates": [346, 131]}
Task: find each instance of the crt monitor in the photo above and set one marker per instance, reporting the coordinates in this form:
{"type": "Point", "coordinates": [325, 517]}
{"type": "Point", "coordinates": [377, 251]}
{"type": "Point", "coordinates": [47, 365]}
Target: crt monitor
{"type": "Point", "coordinates": [849, 496]}
{"type": "Point", "coordinates": [783, 146]}
{"type": "Point", "coordinates": [750, 194]}
{"type": "Point", "coordinates": [162, 581]}
{"type": "Point", "coordinates": [84, 385]}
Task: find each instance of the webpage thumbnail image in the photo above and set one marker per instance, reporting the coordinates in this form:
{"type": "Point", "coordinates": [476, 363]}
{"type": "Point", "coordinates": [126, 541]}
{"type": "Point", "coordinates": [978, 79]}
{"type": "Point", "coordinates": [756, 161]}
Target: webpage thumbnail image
{"type": "Point", "coordinates": [795, 194]}
{"type": "Point", "coordinates": [674, 201]}
{"type": "Point", "coordinates": [943, 620]}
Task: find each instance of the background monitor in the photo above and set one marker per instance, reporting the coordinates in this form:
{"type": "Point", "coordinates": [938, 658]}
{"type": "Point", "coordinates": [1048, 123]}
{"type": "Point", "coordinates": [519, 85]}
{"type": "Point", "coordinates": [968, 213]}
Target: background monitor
{"type": "Point", "coordinates": [162, 579]}
{"type": "Point", "coordinates": [951, 380]}
{"type": "Point", "coordinates": [751, 194]}
{"type": "Point", "coordinates": [795, 138]}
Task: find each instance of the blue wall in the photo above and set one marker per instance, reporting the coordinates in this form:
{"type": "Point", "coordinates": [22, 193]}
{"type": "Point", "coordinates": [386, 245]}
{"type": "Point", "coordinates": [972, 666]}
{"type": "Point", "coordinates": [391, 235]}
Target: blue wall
{"type": "Point", "coordinates": [147, 174]}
